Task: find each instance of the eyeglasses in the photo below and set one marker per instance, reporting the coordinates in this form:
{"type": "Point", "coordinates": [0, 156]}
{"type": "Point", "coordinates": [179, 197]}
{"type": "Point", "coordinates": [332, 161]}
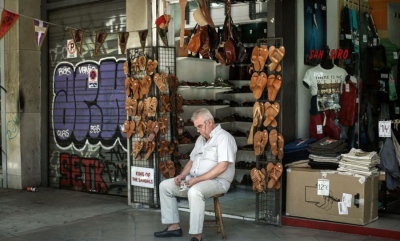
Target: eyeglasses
{"type": "Point", "coordinates": [199, 127]}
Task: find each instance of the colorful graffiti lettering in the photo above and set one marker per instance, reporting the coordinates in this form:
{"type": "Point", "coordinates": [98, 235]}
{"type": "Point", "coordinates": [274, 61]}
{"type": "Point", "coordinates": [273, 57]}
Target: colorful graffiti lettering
{"type": "Point", "coordinates": [82, 174]}
{"type": "Point", "coordinates": [89, 116]}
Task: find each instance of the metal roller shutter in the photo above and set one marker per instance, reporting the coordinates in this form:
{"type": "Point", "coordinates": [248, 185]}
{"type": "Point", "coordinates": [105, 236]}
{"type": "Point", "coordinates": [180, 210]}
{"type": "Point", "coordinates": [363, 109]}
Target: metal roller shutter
{"type": "Point", "coordinates": [87, 149]}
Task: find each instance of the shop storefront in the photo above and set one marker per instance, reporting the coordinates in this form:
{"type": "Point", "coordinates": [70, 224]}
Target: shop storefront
{"type": "Point", "coordinates": [121, 93]}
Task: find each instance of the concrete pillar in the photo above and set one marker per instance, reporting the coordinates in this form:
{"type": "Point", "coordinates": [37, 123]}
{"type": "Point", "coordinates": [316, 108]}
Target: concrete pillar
{"type": "Point", "coordinates": [138, 17]}
{"type": "Point", "coordinates": [22, 82]}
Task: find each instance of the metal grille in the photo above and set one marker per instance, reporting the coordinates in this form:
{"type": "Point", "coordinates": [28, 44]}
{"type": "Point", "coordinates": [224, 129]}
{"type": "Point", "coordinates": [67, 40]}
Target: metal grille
{"type": "Point", "coordinates": [165, 57]}
{"type": "Point", "coordinates": [269, 202]}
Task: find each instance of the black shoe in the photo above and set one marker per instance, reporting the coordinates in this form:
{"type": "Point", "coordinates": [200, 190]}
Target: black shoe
{"type": "Point", "coordinates": [165, 233]}
{"type": "Point", "coordinates": [195, 239]}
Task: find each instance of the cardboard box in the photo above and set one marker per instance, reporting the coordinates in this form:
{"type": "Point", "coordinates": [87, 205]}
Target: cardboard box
{"type": "Point", "coordinates": [332, 196]}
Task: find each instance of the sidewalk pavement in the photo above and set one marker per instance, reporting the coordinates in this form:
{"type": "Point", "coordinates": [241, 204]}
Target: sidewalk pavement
{"type": "Point", "coordinates": [57, 214]}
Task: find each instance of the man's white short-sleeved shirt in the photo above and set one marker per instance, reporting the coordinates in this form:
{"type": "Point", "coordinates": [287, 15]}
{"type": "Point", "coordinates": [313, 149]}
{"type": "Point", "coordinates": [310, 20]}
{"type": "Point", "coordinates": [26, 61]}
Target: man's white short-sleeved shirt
{"type": "Point", "coordinates": [206, 154]}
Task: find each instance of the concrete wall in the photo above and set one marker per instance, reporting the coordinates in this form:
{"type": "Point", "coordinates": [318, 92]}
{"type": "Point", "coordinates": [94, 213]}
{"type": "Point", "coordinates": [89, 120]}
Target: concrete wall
{"type": "Point", "coordinates": [138, 17]}
{"type": "Point", "coordinates": [22, 82]}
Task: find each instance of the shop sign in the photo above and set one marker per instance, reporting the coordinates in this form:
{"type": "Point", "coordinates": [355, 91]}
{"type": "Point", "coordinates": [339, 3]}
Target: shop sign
{"type": "Point", "coordinates": [142, 177]}
{"type": "Point", "coordinates": [333, 54]}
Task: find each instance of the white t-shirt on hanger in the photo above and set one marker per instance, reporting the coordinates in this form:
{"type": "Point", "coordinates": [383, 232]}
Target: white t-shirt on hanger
{"type": "Point", "coordinates": [325, 84]}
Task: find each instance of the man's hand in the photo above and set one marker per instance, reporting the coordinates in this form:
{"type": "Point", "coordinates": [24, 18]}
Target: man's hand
{"type": "Point", "coordinates": [177, 180]}
{"type": "Point", "coordinates": [192, 181]}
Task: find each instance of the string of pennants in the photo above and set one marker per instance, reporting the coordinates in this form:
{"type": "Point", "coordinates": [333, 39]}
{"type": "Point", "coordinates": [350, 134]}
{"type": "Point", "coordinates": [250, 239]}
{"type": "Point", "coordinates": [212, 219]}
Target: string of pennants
{"type": "Point", "coordinates": [8, 19]}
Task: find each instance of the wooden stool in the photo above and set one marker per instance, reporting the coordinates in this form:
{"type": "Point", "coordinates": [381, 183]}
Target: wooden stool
{"type": "Point", "coordinates": [219, 223]}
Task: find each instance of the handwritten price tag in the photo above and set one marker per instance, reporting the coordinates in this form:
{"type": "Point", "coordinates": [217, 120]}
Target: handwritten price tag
{"type": "Point", "coordinates": [385, 129]}
{"type": "Point", "coordinates": [323, 187]}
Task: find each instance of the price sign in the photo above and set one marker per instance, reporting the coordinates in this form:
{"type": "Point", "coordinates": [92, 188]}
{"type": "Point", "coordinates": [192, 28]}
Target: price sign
{"type": "Point", "coordinates": [385, 129]}
{"type": "Point", "coordinates": [323, 187]}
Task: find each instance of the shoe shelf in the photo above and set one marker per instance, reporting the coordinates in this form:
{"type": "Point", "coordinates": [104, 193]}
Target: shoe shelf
{"type": "Point", "coordinates": [196, 83]}
{"type": "Point", "coordinates": [206, 88]}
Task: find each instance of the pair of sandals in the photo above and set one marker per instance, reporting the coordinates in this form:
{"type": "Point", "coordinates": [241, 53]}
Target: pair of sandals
{"type": "Point", "coordinates": [166, 105]}
{"type": "Point", "coordinates": [173, 83]}
{"type": "Point", "coordinates": [167, 147]}
{"type": "Point", "coordinates": [149, 147]}
{"type": "Point", "coordinates": [274, 172]}
{"type": "Point", "coordinates": [139, 64]}
{"type": "Point", "coordinates": [277, 143]}
{"type": "Point", "coordinates": [260, 141]}
{"type": "Point", "coordinates": [259, 81]}
{"type": "Point", "coordinates": [150, 106]}
{"type": "Point", "coordinates": [271, 111]}
{"type": "Point", "coordinates": [167, 168]}
{"type": "Point", "coordinates": [131, 105]}
{"type": "Point", "coordinates": [275, 139]}
{"type": "Point", "coordinates": [129, 128]}
{"type": "Point", "coordinates": [257, 84]}
{"type": "Point", "coordinates": [274, 83]}
{"type": "Point", "coordinates": [141, 127]}
{"type": "Point", "coordinates": [139, 88]}
{"type": "Point", "coordinates": [266, 177]}
{"type": "Point", "coordinates": [261, 110]}
{"type": "Point", "coordinates": [163, 124]}
{"type": "Point", "coordinates": [176, 101]}
{"type": "Point", "coordinates": [260, 55]}
{"type": "Point", "coordinates": [147, 107]}
{"type": "Point", "coordinates": [258, 178]}
{"type": "Point", "coordinates": [136, 149]}
{"type": "Point", "coordinates": [258, 112]}
{"type": "Point", "coordinates": [161, 81]}
{"type": "Point", "coordinates": [152, 129]}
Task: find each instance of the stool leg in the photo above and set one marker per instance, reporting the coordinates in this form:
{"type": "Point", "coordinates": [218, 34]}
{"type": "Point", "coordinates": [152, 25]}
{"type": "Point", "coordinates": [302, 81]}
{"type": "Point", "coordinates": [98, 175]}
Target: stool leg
{"type": "Point", "coordinates": [218, 217]}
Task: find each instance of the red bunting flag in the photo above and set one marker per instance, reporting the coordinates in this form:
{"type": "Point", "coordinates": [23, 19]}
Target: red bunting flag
{"type": "Point", "coordinates": [7, 20]}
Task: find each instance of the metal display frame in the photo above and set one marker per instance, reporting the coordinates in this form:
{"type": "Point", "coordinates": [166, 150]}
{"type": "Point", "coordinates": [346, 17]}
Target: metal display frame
{"type": "Point", "coordinates": [166, 57]}
{"type": "Point", "coordinates": [269, 202]}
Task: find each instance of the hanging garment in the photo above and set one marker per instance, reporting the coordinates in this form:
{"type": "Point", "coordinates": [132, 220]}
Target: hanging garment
{"type": "Point", "coordinates": [367, 134]}
{"type": "Point", "coordinates": [331, 124]}
{"type": "Point", "coordinates": [354, 29]}
{"type": "Point", "coordinates": [348, 103]}
{"type": "Point", "coordinates": [389, 164]}
{"type": "Point", "coordinates": [392, 88]}
{"type": "Point", "coordinates": [384, 85]}
{"type": "Point", "coordinates": [345, 41]}
{"type": "Point", "coordinates": [316, 126]}
{"type": "Point", "coordinates": [371, 24]}
{"type": "Point", "coordinates": [396, 138]}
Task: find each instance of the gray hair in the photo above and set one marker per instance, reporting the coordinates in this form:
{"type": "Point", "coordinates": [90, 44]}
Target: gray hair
{"type": "Point", "coordinates": [203, 112]}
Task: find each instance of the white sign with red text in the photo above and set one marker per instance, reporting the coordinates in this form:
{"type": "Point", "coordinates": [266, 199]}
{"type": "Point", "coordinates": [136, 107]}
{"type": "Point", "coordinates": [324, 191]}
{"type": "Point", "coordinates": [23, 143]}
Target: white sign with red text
{"type": "Point", "coordinates": [142, 177]}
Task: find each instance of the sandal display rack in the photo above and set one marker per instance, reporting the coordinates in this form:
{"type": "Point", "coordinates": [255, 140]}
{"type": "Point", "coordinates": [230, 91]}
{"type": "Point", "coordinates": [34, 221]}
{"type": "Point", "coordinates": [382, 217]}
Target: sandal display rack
{"type": "Point", "coordinates": [269, 201]}
{"type": "Point", "coordinates": [138, 63]}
